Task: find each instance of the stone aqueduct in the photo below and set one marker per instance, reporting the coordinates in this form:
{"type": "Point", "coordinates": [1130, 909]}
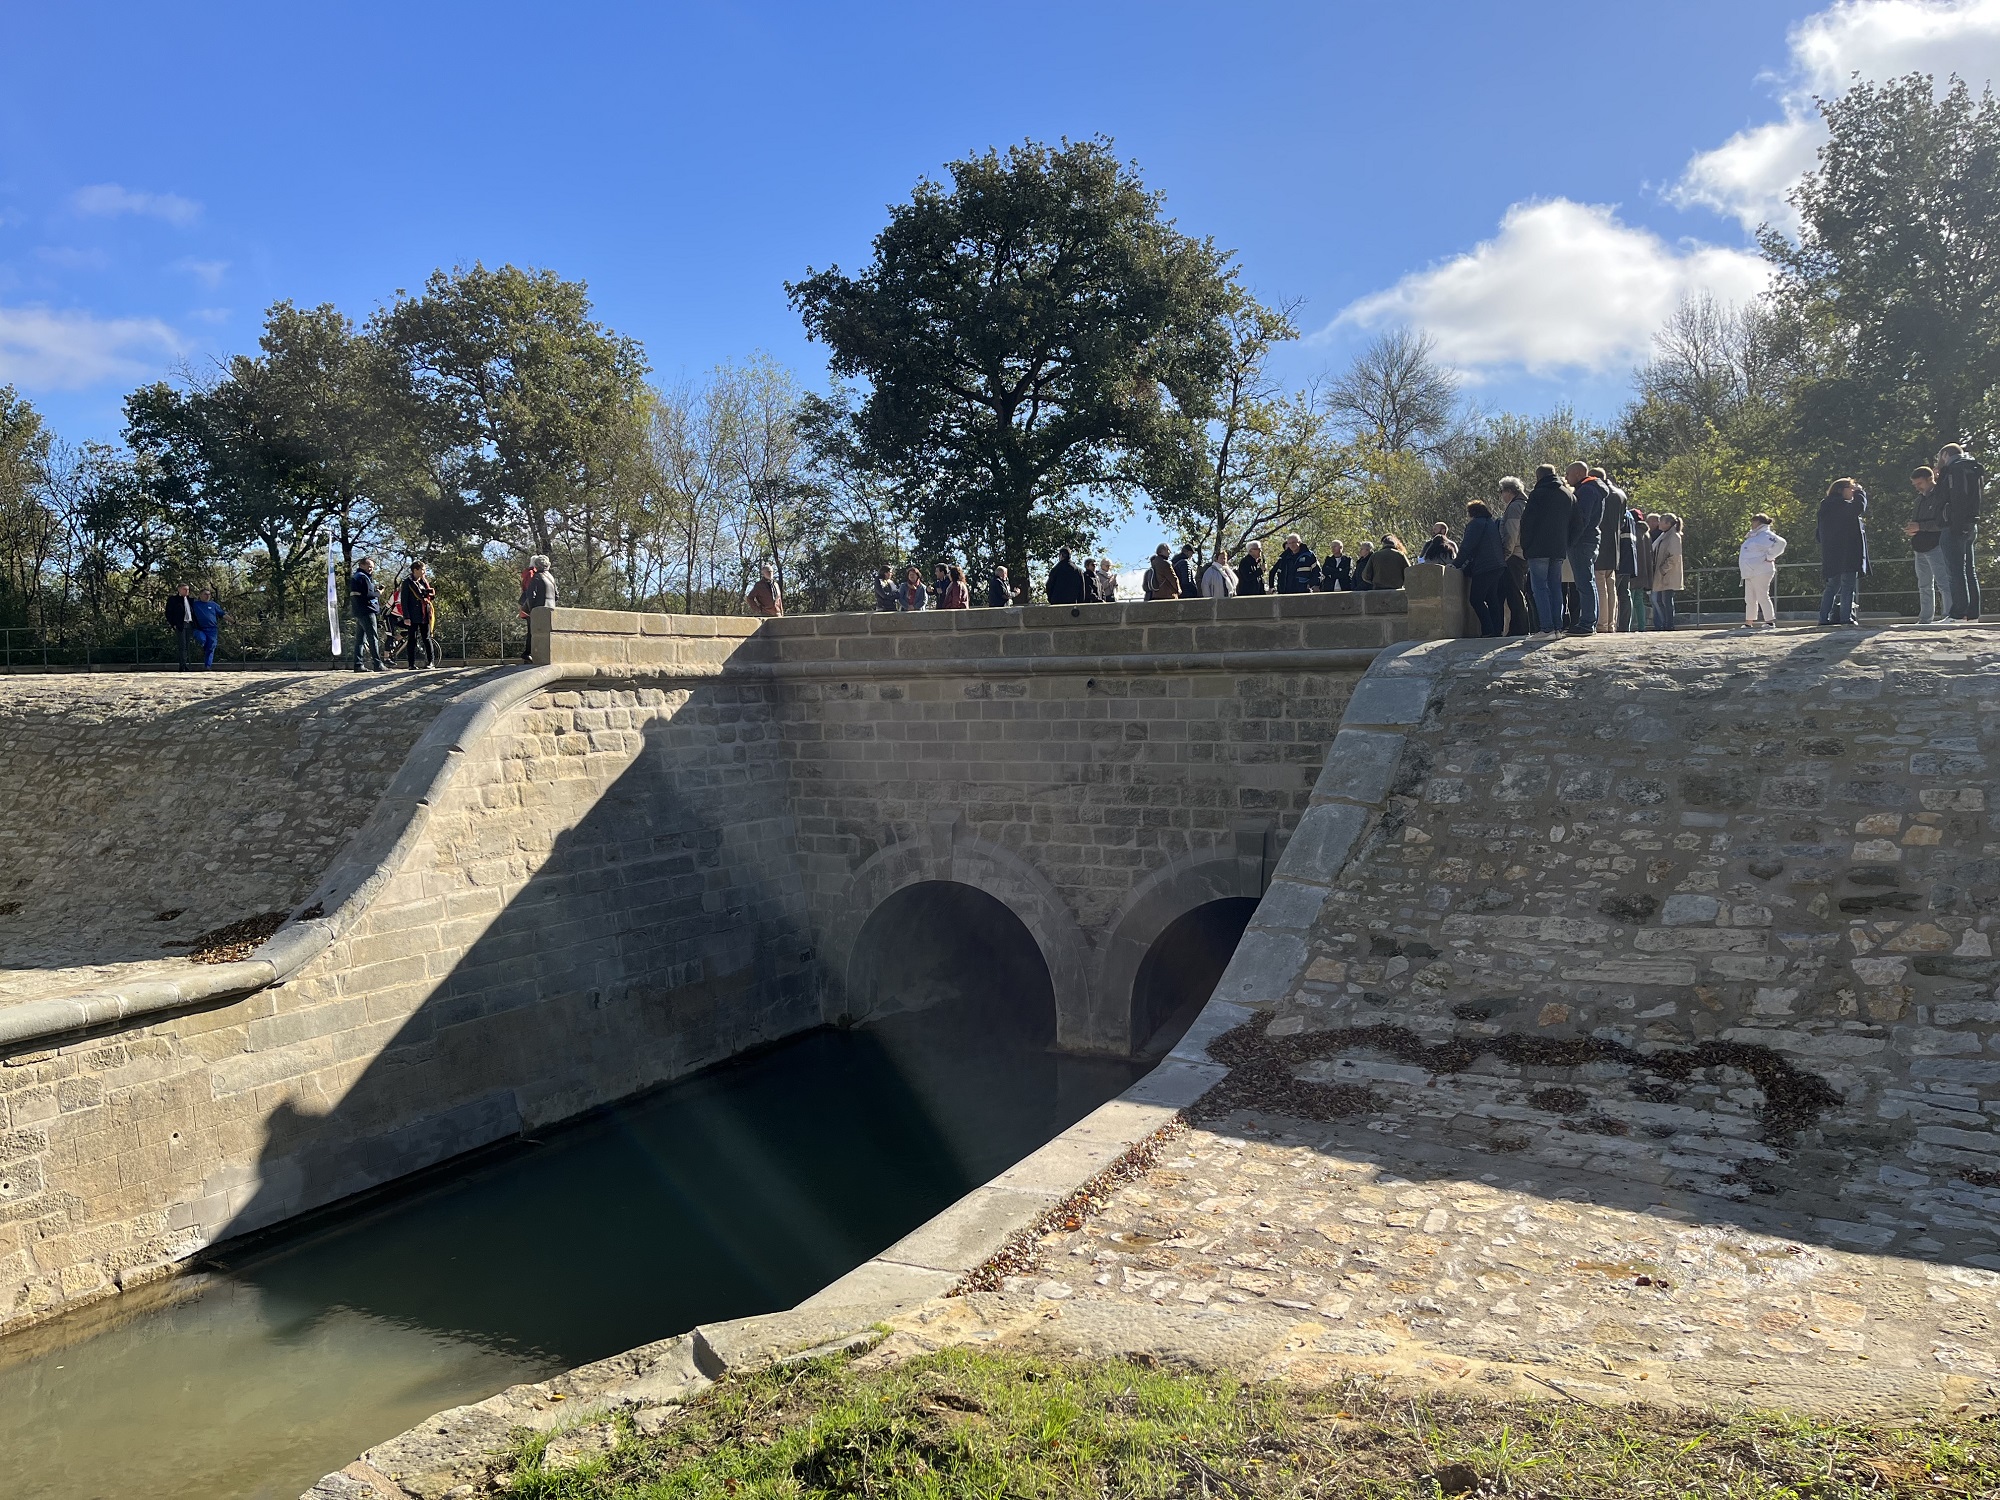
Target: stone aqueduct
{"type": "Point", "coordinates": [659, 846]}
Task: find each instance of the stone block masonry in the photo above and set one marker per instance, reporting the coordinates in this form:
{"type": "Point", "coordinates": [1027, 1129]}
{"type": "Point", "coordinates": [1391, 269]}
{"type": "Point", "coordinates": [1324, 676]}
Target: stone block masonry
{"type": "Point", "coordinates": [142, 810]}
{"type": "Point", "coordinates": [649, 853]}
{"type": "Point", "coordinates": [1701, 912]}
{"type": "Point", "coordinates": [601, 896]}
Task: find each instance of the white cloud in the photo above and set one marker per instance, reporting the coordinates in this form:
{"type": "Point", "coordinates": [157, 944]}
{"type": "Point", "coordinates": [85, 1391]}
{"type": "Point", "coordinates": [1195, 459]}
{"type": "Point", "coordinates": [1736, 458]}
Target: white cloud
{"type": "Point", "coordinates": [107, 200]}
{"type": "Point", "coordinates": [1748, 176]}
{"type": "Point", "coordinates": [208, 272]}
{"type": "Point", "coordinates": [1563, 286]}
{"type": "Point", "coordinates": [41, 349]}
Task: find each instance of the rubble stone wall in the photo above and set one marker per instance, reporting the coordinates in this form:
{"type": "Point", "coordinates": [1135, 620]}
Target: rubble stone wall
{"type": "Point", "coordinates": [1708, 912]}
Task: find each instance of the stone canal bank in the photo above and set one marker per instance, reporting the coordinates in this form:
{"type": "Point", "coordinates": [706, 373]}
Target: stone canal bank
{"type": "Point", "coordinates": [1636, 1039]}
{"type": "Point", "coordinates": [1619, 1024]}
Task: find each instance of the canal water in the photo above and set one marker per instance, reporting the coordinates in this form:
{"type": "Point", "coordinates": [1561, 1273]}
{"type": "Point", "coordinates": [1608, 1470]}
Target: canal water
{"type": "Point", "coordinates": [741, 1190]}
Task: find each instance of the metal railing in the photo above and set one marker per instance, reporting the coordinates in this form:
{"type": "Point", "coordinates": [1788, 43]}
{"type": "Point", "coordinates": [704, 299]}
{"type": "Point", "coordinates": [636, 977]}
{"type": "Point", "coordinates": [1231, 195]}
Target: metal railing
{"type": "Point", "coordinates": [462, 641]}
{"type": "Point", "coordinates": [1887, 589]}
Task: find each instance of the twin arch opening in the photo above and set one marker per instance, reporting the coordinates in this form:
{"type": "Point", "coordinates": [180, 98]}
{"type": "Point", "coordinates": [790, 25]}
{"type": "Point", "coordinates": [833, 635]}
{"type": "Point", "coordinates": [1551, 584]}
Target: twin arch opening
{"type": "Point", "coordinates": [943, 942]}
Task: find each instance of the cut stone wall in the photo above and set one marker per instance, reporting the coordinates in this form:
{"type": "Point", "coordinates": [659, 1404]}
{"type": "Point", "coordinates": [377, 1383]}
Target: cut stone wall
{"type": "Point", "coordinates": [1709, 912]}
{"type": "Point", "coordinates": [655, 864]}
{"type": "Point", "coordinates": [141, 810]}
{"type": "Point", "coordinates": [605, 898]}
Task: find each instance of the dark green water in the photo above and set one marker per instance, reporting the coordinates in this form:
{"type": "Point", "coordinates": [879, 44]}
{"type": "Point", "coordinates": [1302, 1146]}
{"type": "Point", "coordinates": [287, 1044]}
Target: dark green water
{"type": "Point", "coordinates": [739, 1191]}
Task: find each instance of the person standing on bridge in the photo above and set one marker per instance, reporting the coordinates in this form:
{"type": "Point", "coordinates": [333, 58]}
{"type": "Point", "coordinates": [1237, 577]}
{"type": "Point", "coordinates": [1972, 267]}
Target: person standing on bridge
{"type": "Point", "coordinates": [915, 595]}
{"type": "Point", "coordinates": [1843, 550]}
{"type": "Point", "coordinates": [1545, 533]}
{"type": "Point", "coordinates": [208, 616]}
{"type": "Point", "coordinates": [1250, 571]}
{"type": "Point", "coordinates": [885, 590]}
{"type": "Point", "coordinates": [1107, 582]}
{"type": "Point", "coordinates": [419, 603]}
{"type": "Point", "coordinates": [1586, 525]}
{"type": "Point", "coordinates": [1482, 558]}
{"type": "Point", "coordinates": [1757, 561]}
{"type": "Point", "coordinates": [1161, 580]}
{"type": "Point", "coordinates": [1218, 579]}
{"type": "Point", "coordinates": [1961, 480]}
{"type": "Point", "coordinates": [1064, 584]}
{"type": "Point", "coordinates": [765, 598]}
{"type": "Point", "coordinates": [364, 602]}
{"type": "Point", "coordinates": [1925, 529]}
{"type": "Point", "coordinates": [956, 594]}
{"type": "Point", "coordinates": [1090, 593]}
{"type": "Point", "coordinates": [1515, 592]}
{"type": "Point", "coordinates": [999, 593]}
{"type": "Point", "coordinates": [180, 620]}
{"type": "Point", "coordinates": [1296, 571]}
{"type": "Point", "coordinates": [1669, 576]}
{"type": "Point", "coordinates": [1336, 571]}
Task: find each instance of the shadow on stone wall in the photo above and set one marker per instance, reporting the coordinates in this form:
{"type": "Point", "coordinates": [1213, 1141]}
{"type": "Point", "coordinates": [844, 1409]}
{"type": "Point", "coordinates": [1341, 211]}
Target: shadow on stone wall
{"type": "Point", "coordinates": [661, 933]}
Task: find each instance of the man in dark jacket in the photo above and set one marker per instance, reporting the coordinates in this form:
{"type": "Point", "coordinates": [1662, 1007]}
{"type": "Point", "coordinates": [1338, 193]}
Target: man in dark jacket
{"type": "Point", "coordinates": [999, 593]}
{"type": "Point", "coordinates": [1336, 569]}
{"type": "Point", "coordinates": [1612, 612]}
{"type": "Point", "coordinates": [1297, 570]}
{"type": "Point", "coordinates": [180, 620]}
{"type": "Point", "coordinates": [1090, 593]}
{"type": "Point", "coordinates": [1184, 572]}
{"type": "Point", "coordinates": [1065, 583]}
{"type": "Point", "coordinates": [1586, 524]}
{"type": "Point", "coordinates": [1961, 481]}
{"type": "Point", "coordinates": [364, 602]}
{"type": "Point", "coordinates": [885, 590]}
{"type": "Point", "coordinates": [1545, 529]}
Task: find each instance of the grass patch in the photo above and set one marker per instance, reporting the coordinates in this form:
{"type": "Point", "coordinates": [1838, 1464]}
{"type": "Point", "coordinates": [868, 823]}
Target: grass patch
{"type": "Point", "coordinates": [960, 1423]}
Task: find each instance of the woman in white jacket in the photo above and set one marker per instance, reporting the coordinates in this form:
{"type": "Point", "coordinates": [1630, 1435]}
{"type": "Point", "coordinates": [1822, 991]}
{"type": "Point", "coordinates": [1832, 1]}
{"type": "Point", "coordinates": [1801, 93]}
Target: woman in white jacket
{"type": "Point", "coordinates": [1218, 579]}
{"type": "Point", "coordinates": [1758, 563]}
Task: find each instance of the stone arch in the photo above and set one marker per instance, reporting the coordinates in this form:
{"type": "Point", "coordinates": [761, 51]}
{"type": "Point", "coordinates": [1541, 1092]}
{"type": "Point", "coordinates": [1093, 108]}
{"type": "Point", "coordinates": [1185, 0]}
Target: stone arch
{"type": "Point", "coordinates": [1160, 900]}
{"type": "Point", "coordinates": [949, 854]}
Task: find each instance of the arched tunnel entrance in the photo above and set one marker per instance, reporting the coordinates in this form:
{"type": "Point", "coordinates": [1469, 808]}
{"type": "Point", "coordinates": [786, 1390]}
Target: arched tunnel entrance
{"type": "Point", "coordinates": [1182, 968]}
{"type": "Point", "coordinates": [940, 943]}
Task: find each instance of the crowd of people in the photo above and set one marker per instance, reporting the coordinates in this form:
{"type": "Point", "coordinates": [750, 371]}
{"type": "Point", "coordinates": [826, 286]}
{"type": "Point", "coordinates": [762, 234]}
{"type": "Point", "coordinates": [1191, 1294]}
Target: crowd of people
{"type": "Point", "coordinates": [1568, 554]}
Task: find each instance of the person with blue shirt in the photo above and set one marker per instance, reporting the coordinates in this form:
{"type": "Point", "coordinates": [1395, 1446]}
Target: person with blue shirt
{"type": "Point", "coordinates": [364, 599]}
{"type": "Point", "coordinates": [207, 627]}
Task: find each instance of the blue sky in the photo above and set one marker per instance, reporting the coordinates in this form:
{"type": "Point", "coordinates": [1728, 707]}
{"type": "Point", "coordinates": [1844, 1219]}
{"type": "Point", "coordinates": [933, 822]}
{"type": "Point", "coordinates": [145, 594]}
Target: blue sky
{"type": "Point", "coordinates": [1531, 182]}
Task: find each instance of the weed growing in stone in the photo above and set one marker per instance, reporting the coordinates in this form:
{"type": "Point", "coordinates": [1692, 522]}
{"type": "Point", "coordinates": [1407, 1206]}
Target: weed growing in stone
{"type": "Point", "coordinates": [960, 1423]}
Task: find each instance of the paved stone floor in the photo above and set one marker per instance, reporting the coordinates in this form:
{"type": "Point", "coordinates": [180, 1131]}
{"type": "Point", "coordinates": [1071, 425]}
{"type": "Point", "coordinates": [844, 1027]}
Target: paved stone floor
{"type": "Point", "coordinates": [1310, 1252]}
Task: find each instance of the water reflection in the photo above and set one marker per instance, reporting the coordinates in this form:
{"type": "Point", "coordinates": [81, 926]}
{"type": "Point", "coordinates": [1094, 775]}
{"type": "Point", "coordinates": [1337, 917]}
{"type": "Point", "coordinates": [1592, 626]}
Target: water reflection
{"type": "Point", "coordinates": [739, 1191]}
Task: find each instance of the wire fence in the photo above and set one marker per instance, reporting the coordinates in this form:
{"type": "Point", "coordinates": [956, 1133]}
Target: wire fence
{"type": "Point", "coordinates": [463, 641]}
{"type": "Point", "coordinates": [1888, 590]}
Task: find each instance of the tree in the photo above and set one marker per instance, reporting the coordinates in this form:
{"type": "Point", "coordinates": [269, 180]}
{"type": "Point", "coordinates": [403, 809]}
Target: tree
{"type": "Point", "coordinates": [330, 395]}
{"type": "Point", "coordinates": [1892, 288]}
{"type": "Point", "coordinates": [754, 411]}
{"type": "Point", "coordinates": [536, 415]}
{"type": "Point", "coordinates": [1397, 395]}
{"type": "Point", "coordinates": [28, 528]}
{"type": "Point", "coordinates": [225, 464]}
{"type": "Point", "coordinates": [1027, 336]}
{"type": "Point", "coordinates": [1265, 461]}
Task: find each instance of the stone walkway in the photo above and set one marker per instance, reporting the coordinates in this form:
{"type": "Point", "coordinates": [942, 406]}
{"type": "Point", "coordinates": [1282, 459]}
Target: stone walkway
{"type": "Point", "coordinates": [1646, 1038]}
{"type": "Point", "coordinates": [1311, 1253]}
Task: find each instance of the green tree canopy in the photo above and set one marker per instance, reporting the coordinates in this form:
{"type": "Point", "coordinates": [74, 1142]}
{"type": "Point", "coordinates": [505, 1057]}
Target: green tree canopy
{"type": "Point", "coordinates": [1030, 336]}
{"type": "Point", "coordinates": [1892, 288]}
{"type": "Point", "coordinates": [534, 415]}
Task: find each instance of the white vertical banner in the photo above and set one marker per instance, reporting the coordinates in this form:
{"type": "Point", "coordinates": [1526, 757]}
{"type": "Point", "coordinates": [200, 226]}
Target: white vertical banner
{"type": "Point", "coordinates": [333, 592]}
